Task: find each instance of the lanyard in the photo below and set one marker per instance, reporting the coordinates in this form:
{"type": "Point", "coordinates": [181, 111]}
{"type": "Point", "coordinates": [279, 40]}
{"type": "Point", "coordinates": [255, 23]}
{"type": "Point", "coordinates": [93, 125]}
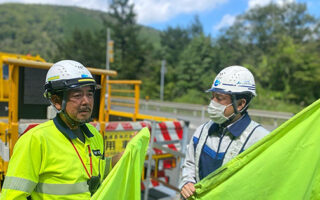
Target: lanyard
{"type": "Point", "coordinates": [82, 160]}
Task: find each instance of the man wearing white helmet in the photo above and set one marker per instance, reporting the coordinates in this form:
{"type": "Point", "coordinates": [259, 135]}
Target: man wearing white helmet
{"type": "Point", "coordinates": [229, 132]}
{"type": "Point", "coordinates": [62, 158]}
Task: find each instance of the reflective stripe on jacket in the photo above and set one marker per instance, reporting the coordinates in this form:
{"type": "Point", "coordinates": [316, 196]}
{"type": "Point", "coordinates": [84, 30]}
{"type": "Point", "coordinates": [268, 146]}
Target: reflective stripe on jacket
{"type": "Point", "coordinates": [45, 165]}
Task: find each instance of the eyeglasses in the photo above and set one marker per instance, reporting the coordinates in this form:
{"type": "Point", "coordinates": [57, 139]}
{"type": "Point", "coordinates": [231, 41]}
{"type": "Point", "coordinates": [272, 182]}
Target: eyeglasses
{"type": "Point", "coordinates": [78, 95]}
{"type": "Point", "coordinates": [219, 96]}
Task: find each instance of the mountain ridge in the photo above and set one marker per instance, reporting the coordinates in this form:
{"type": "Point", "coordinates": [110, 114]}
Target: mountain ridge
{"type": "Point", "coordinates": [35, 28]}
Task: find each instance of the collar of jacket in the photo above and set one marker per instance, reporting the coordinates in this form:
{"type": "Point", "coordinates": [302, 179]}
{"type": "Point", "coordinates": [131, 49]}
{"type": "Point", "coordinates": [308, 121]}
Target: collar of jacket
{"type": "Point", "coordinates": [63, 128]}
{"type": "Point", "coordinates": [235, 128]}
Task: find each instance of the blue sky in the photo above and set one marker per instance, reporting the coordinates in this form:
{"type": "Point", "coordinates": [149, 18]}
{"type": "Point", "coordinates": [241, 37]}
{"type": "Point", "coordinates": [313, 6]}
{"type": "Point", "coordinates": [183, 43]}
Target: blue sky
{"type": "Point", "coordinates": [160, 14]}
{"type": "Point", "coordinates": [224, 13]}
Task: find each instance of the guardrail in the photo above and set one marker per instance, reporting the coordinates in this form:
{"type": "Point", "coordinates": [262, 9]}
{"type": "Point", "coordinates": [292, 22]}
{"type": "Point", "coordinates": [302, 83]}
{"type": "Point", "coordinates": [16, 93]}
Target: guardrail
{"type": "Point", "coordinates": [126, 94]}
{"type": "Point", "coordinates": [127, 97]}
{"type": "Point", "coordinates": [271, 118]}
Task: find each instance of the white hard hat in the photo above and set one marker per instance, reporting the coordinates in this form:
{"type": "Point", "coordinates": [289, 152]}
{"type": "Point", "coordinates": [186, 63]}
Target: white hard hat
{"type": "Point", "coordinates": [67, 74]}
{"type": "Point", "coordinates": [234, 80]}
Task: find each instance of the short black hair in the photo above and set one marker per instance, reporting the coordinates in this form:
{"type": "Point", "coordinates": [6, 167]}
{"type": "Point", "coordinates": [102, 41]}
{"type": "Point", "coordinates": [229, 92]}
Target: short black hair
{"type": "Point", "coordinates": [247, 96]}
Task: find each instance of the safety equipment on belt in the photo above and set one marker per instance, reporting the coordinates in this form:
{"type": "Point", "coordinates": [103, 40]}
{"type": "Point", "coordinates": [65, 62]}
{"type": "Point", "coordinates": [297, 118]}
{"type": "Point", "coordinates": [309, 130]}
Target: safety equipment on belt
{"type": "Point", "coordinates": [94, 183]}
{"type": "Point", "coordinates": [234, 80]}
{"type": "Point", "coordinates": [216, 112]}
{"type": "Point", "coordinates": [67, 74]}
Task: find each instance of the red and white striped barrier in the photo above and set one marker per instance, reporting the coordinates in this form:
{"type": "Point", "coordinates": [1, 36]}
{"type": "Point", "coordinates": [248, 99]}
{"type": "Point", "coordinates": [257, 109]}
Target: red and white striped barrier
{"type": "Point", "coordinates": [169, 131]}
{"type": "Point", "coordinates": [153, 183]}
{"type": "Point", "coordinates": [24, 127]}
{"type": "Point", "coordinates": [126, 126]}
{"type": "Point", "coordinates": [165, 131]}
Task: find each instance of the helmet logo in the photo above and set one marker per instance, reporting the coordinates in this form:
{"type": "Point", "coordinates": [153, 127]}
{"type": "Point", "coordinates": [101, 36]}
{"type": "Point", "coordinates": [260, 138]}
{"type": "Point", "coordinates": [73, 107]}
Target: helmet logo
{"type": "Point", "coordinates": [216, 82]}
{"type": "Point", "coordinates": [53, 78]}
{"type": "Point", "coordinates": [247, 82]}
{"type": "Point", "coordinates": [84, 76]}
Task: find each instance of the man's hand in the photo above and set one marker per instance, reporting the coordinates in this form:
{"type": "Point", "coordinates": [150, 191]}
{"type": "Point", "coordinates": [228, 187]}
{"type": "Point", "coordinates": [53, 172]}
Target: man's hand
{"type": "Point", "coordinates": [188, 190]}
{"type": "Point", "coordinates": [116, 158]}
{"type": "Point", "coordinates": [134, 134]}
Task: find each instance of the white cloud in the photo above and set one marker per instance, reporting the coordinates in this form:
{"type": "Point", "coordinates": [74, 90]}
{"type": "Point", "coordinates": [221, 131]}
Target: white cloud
{"type": "Point", "coordinates": [148, 11]}
{"type": "Point", "coordinates": [226, 21]}
{"type": "Point", "coordinates": [151, 11]}
{"type": "Point", "coordinates": [90, 4]}
{"type": "Point", "coordinates": [254, 3]}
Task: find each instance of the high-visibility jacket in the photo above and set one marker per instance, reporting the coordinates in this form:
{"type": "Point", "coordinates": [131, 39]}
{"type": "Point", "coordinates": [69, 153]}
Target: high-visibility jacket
{"type": "Point", "coordinates": [45, 165]}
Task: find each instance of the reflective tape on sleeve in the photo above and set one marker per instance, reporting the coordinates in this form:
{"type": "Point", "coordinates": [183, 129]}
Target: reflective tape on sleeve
{"type": "Point", "coordinates": [108, 166]}
{"type": "Point", "coordinates": [62, 189]}
{"type": "Point", "coordinates": [21, 184]}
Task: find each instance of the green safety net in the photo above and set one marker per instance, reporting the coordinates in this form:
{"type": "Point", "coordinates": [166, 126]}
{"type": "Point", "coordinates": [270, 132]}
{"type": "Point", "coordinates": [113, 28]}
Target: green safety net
{"type": "Point", "coordinates": [283, 165]}
{"type": "Point", "coordinates": [124, 180]}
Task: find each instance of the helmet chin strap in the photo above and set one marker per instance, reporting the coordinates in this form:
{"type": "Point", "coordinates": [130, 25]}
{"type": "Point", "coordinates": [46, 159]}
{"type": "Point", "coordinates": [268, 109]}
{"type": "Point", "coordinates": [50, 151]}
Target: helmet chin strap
{"type": "Point", "coordinates": [236, 111]}
{"type": "Point", "coordinates": [234, 104]}
{"type": "Point", "coordinates": [70, 121]}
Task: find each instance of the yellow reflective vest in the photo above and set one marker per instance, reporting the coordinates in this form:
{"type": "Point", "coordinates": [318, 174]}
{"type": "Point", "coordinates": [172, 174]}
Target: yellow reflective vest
{"type": "Point", "coordinates": [45, 165]}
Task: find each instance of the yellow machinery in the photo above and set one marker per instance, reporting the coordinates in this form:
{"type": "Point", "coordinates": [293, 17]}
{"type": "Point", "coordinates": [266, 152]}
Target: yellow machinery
{"type": "Point", "coordinates": [8, 99]}
{"type": "Point", "coordinates": [4, 74]}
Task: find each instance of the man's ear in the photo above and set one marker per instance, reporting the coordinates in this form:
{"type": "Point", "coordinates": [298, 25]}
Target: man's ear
{"type": "Point", "coordinates": [241, 104]}
{"type": "Point", "coordinates": [57, 101]}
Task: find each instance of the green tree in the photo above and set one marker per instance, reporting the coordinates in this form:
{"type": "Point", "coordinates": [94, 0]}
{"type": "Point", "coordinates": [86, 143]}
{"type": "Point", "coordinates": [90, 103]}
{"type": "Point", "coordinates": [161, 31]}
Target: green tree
{"type": "Point", "coordinates": [173, 42]}
{"type": "Point", "coordinates": [128, 48]}
{"type": "Point", "coordinates": [195, 71]}
{"type": "Point", "coordinates": [83, 46]}
{"type": "Point", "coordinates": [293, 69]}
{"type": "Point", "coordinates": [279, 44]}
{"type": "Point", "coordinates": [261, 28]}
{"type": "Point", "coordinates": [196, 28]}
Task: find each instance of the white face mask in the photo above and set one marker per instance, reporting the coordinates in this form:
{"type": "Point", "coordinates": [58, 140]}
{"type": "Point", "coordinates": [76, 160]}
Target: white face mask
{"type": "Point", "coordinates": [216, 112]}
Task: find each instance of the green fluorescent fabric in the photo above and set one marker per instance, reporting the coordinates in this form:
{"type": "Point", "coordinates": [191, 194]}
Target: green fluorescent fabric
{"type": "Point", "coordinates": [283, 165]}
{"type": "Point", "coordinates": [123, 182]}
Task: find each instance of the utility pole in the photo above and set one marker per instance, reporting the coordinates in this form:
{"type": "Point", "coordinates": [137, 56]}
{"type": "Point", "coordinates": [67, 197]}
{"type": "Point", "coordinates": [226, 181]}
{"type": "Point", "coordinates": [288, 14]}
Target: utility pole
{"type": "Point", "coordinates": [107, 67]}
{"type": "Point", "coordinates": [162, 72]}
{"type": "Point", "coordinates": [107, 51]}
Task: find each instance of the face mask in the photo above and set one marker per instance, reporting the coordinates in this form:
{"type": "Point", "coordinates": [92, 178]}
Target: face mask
{"type": "Point", "coordinates": [216, 112]}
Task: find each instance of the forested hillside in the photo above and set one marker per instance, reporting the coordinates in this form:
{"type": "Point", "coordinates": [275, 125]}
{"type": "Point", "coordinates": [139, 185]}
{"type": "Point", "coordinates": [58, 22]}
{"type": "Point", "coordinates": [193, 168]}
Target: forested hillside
{"type": "Point", "coordinates": [36, 29]}
{"type": "Point", "coordinates": [280, 45]}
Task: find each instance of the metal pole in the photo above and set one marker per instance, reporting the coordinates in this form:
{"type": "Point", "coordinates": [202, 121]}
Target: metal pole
{"type": "Point", "coordinates": [202, 113]}
{"type": "Point", "coordinates": [184, 141]}
{"type": "Point", "coordinates": [107, 50]}
{"type": "Point", "coordinates": [107, 64]}
{"type": "Point", "coordinates": [163, 63]}
{"type": "Point", "coordinates": [150, 149]}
